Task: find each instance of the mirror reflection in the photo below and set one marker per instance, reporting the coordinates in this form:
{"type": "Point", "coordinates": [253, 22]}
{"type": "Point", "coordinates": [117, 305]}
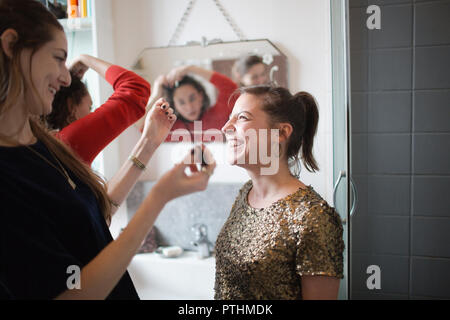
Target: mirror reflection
{"type": "Point", "coordinates": [198, 82]}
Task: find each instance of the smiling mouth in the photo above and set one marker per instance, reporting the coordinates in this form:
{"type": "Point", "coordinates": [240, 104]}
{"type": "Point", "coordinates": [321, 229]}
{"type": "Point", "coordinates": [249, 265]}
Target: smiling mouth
{"type": "Point", "coordinates": [52, 90]}
{"type": "Point", "coordinates": [234, 143]}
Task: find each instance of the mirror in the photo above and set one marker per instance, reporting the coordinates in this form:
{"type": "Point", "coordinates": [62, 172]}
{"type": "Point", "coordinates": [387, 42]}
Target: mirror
{"type": "Point", "coordinates": [223, 58]}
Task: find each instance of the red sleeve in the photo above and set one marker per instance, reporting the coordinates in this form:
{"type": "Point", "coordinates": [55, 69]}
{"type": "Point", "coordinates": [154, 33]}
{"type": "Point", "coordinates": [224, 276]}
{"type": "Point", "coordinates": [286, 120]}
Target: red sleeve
{"type": "Point", "coordinates": [226, 87]}
{"type": "Point", "coordinates": [91, 134]}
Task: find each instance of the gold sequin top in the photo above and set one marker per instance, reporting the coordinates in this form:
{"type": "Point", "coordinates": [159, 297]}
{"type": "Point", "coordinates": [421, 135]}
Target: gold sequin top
{"type": "Point", "coordinates": [262, 253]}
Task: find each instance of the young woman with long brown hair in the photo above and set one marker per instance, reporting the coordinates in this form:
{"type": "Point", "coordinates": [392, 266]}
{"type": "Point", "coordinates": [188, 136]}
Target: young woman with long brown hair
{"type": "Point", "coordinates": [54, 208]}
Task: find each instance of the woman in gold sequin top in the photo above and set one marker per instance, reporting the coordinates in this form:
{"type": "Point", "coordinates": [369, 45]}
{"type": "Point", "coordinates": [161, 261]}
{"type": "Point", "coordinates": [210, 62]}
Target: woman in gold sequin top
{"type": "Point", "coordinates": [281, 240]}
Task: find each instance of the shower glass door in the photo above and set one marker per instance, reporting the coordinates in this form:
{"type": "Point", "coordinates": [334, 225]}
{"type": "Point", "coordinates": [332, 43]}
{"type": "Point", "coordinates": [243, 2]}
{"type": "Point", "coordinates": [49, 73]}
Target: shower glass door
{"type": "Point", "coordinates": [340, 100]}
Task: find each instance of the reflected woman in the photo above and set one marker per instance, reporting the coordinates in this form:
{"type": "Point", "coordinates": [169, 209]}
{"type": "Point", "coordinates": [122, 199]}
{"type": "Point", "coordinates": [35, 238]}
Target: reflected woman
{"type": "Point", "coordinates": [250, 71]}
{"type": "Point", "coordinates": [281, 239]}
{"type": "Point", "coordinates": [190, 102]}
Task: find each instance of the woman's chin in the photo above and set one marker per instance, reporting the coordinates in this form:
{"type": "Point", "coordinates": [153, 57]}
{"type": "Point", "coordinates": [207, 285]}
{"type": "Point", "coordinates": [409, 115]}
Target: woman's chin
{"type": "Point", "coordinates": [46, 110]}
{"type": "Point", "coordinates": [236, 160]}
{"type": "Point", "coordinates": [191, 118]}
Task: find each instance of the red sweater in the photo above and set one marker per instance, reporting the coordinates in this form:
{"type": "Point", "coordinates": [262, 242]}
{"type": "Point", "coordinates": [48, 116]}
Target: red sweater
{"type": "Point", "coordinates": [92, 133]}
{"type": "Point", "coordinates": [214, 117]}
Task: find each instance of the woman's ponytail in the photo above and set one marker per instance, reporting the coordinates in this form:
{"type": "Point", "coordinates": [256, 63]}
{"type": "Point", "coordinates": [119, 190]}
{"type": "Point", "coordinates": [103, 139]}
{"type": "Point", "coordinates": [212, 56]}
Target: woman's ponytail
{"type": "Point", "coordinates": [311, 118]}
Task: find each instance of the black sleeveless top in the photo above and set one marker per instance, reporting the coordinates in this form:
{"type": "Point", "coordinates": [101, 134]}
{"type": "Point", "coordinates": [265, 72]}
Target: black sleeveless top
{"type": "Point", "coordinates": [48, 230]}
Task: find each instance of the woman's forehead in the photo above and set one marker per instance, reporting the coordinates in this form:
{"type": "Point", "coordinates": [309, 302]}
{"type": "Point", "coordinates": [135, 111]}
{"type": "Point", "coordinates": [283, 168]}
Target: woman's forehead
{"type": "Point", "coordinates": [249, 103]}
{"type": "Point", "coordinates": [58, 42]}
{"type": "Point", "coordinates": [185, 90]}
{"type": "Point", "coordinates": [259, 67]}
{"type": "Point", "coordinates": [59, 38]}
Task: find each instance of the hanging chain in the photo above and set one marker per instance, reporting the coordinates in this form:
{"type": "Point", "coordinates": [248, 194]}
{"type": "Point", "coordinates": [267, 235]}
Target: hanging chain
{"type": "Point", "coordinates": [186, 14]}
{"type": "Point", "coordinates": [233, 26]}
{"type": "Point", "coordinates": [182, 22]}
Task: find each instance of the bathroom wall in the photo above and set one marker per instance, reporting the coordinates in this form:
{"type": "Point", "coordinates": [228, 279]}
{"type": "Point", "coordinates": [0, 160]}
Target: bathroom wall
{"type": "Point", "coordinates": [401, 149]}
{"type": "Point", "coordinates": [288, 25]}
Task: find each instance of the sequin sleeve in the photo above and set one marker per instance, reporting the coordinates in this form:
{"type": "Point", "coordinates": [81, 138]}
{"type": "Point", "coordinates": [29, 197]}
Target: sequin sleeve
{"type": "Point", "coordinates": [320, 244]}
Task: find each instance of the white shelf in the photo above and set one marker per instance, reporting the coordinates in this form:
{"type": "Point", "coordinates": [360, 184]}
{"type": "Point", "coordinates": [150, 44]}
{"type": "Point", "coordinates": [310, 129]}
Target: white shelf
{"type": "Point", "coordinates": [76, 24]}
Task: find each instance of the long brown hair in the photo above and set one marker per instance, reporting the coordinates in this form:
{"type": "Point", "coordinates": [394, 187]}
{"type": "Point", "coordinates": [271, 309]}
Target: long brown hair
{"type": "Point", "coordinates": [35, 26]}
{"type": "Point", "coordinates": [300, 110]}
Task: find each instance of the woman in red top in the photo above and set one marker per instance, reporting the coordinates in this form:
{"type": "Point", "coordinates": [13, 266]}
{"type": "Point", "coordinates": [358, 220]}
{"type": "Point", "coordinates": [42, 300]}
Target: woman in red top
{"type": "Point", "coordinates": [89, 133]}
{"type": "Point", "coordinates": [190, 102]}
{"type": "Point", "coordinates": [89, 136]}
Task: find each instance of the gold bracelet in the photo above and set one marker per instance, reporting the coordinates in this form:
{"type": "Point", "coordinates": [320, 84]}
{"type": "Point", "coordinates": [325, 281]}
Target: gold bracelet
{"type": "Point", "coordinates": [137, 163]}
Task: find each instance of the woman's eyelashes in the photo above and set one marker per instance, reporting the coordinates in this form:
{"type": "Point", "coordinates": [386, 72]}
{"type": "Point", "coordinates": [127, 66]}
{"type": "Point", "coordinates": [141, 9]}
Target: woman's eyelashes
{"type": "Point", "coordinates": [244, 115]}
{"type": "Point", "coordinates": [60, 59]}
{"type": "Point", "coordinates": [192, 98]}
{"type": "Point", "coordinates": [239, 117]}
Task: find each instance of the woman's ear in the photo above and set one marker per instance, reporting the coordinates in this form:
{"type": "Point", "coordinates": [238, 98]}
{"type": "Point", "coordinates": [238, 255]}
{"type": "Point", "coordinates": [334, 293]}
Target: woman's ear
{"type": "Point", "coordinates": [8, 38]}
{"type": "Point", "coordinates": [72, 110]}
{"type": "Point", "coordinates": [285, 129]}
{"type": "Point", "coordinates": [70, 106]}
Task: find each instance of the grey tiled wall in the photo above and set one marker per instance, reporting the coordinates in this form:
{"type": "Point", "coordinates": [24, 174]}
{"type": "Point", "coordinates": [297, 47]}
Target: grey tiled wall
{"type": "Point", "coordinates": [173, 225]}
{"type": "Point", "coordinates": [400, 118]}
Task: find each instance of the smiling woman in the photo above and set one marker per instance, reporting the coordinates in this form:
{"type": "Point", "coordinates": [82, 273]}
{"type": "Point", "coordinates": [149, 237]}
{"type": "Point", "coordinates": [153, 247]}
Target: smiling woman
{"type": "Point", "coordinates": [51, 68]}
{"type": "Point", "coordinates": [55, 209]}
{"type": "Point", "coordinates": [281, 240]}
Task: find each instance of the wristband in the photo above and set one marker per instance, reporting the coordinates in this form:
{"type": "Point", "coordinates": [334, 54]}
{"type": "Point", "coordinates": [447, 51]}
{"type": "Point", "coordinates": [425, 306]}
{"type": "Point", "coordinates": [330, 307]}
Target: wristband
{"type": "Point", "coordinates": [137, 163]}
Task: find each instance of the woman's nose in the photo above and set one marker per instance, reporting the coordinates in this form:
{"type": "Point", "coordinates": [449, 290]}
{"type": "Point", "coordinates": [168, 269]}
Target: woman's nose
{"type": "Point", "coordinates": [262, 79]}
{"type": "Point", "coordinates": [191, 107]}
{"type": "Point", "coordinates": [65, 78]}
{"type": "Point", "coordinates": [228, 127]}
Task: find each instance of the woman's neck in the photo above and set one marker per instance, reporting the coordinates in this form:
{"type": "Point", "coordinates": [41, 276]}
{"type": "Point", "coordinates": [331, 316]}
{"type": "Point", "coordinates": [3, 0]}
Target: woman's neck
{"type": "Point", "coordinates": [15, 127]}
{"type": "Point", "coordinates": [273, 186]}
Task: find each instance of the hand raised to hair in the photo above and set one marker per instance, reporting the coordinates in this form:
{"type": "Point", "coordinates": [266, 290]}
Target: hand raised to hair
{"type": "Point", "coordinates": [176, 75]}
{"type": "Point", "coordinates": [78, 68]}
{"type": "Point", "coordinates": [158, 122]}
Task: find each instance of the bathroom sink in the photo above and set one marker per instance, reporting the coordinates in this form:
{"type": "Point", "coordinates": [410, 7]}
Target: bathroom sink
{"type": "Point", "coordinates": [182, 278]}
